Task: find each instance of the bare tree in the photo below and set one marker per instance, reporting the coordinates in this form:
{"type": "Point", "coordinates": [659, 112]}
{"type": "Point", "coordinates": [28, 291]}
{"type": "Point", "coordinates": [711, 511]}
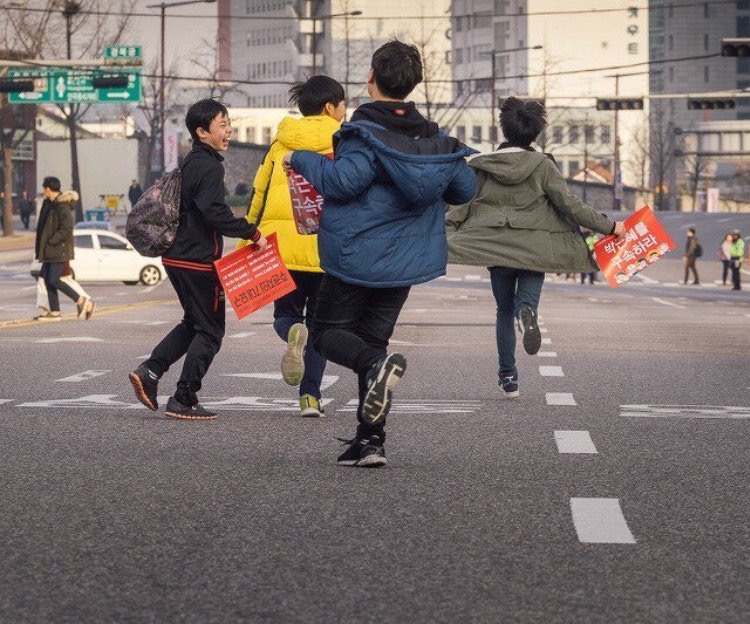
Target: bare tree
{"type": "Point", "coordinates": [695, 167]}
{"type": "Point", "coordinates": [661, 148]}
{"type": "Point", "coordinates": [638, 165]}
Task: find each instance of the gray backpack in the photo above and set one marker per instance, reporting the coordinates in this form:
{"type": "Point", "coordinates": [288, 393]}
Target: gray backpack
{"type": "Point", "coordinates": [152, 223]}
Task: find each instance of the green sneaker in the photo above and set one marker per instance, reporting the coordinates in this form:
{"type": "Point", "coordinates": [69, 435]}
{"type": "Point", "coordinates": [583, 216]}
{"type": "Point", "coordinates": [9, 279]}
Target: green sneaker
{"type": "Point", "coordinates": [310, 407]}
{"type": "Point", "coordinates": [292, 364]}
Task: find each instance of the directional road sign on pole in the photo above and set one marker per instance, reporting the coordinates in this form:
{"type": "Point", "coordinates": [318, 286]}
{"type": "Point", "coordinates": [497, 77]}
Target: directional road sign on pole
{"type": "Point", "coordinates": [63, 86]}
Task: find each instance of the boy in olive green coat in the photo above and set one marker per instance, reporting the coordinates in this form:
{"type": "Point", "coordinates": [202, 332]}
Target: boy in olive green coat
{"type": "Point", "coordinates": [523, 222]}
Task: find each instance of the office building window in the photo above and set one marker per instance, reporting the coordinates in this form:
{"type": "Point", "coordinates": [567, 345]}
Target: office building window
{"type": "Point", "coordinates": [483, 19]}
{"type": "Point", "coordinates": [483, 85]}
{"type": "Point", "coordinates": [706, 74]}
{"type": "Point", "coordinates": [573, 167]}
{"type": "Point", "coordinates": [493, 134]}
{"type": "Point", "coordinates": [458, 56]}
{"type": "Point", "coordinates": [501, 34]}
{"type": "Point", "coordinates": [500, 7]}
{"type": "Point", "coordinates": [557, 135]}
{"type": "Point", "coordinates": [267, 135]}
{"type": "Point", "coordinates": [706, 10]}
{"type": "Point", "coordinates": [589, 134]}
{"type": "Point", "coordinates": [671, 74]}
{"type": "Point", "coordinates": [743, 26]}
{"type": "Point", "coordinates": [743, 65]}
{"type": "Point", "coordinates": [574, 133]}
{"type": "Point", "coordinates": [461, 133]}
{"type": "Point", "coordinates": [670, 43]}
{"type": "Point", "coordinates": [604, 135]}
{"type": "Point", "coordinates": [705, 42]}
{"type": "Point", "coordinates": [459, 24]}
{"type": "Point", "coordinates": [476, 133]}
{"type": "Point", "coordinates": [743, 5]}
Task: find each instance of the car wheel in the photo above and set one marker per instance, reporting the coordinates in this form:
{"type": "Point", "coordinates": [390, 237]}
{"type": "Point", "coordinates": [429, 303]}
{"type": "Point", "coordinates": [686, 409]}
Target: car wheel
{"type": "Point", "coordinates": [130, 283]}
{"type": "Point", "coordinates": [150, 275]}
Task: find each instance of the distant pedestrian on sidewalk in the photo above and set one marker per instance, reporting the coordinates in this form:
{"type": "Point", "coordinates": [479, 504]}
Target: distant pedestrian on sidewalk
{"type": "Point", "coordinates": [693, 251]}
{"type": "Point", "coordinates": [134, 192]}
{"type": "Point", "coordinates": [591, 239]}
{"type": "Point", "coordinates": [737, 252]}
{"type": "Point", "coordinates": [204, 220]}
{"type": "Point", "coordinates": [382, 231]}
{"type": "Point", "coordinates": [725, 255]}
{"type": "Point", "coordinates": [54, 249]}
{"type": "Point", "coordinates": [27, 208]}
{"type": "Point", "coordinates": [522, 224]}
{"type": "Point", "coordinates": [322, 102]}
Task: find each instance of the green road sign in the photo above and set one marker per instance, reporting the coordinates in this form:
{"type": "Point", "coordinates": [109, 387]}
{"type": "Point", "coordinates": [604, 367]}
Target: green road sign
{"type": "Point", "coordinates": [122, 52]}
{"type": "Point", "coordinates": [65, 86]}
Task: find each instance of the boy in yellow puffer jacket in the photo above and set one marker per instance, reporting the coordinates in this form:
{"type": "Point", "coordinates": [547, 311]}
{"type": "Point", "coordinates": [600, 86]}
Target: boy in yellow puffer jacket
{"type": "Point", "coordinates": [322, 102]}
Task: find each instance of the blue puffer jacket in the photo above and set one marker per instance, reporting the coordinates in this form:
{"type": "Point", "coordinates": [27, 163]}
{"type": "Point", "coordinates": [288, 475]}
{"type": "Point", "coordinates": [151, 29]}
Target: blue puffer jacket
{"type": "Point", "coordinates": [385, 195]}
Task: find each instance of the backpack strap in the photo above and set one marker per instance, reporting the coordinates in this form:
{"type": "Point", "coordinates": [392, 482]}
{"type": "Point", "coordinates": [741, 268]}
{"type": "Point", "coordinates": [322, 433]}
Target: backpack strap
{"type": "Point", "coordinates": [265, 193]}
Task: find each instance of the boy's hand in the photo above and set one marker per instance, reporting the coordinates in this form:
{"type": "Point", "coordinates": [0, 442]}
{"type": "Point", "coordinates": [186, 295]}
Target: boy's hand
{"type": "Point", "coordinates": [261, 243]}
{"type": "Point", "coordinates": [286, 162]}
{"type": "Point", "coordinates": [619, 230]}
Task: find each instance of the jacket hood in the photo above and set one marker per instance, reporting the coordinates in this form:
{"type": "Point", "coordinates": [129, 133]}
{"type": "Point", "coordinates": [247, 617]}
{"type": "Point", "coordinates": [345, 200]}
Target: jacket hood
{"type": "Point", "coordinates": [421, 169]}
{"type": "Point", "coordinates": [510, 166]}
{"type": "Point", "coordinates": [312, 133]}
{"type": "Point", "coordinates": [401, 117]}
{"type": "Point", "coordinates": [67, 196]}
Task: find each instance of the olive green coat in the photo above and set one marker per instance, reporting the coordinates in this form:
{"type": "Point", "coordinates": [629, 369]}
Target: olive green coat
{"type": "Point", "coordinates": [55, 243]}
{"type": "Point", "coordinates": [523, 216]}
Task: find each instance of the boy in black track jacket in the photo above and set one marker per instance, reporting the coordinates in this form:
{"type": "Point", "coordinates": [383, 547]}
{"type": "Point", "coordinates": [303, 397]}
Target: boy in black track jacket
{"type": "Point", "coordinates": [204, 220]}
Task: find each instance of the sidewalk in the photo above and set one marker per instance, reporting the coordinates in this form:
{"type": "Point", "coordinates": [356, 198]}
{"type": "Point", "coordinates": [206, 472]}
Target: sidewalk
{"type": "Point", "coordinates": [19, 241]}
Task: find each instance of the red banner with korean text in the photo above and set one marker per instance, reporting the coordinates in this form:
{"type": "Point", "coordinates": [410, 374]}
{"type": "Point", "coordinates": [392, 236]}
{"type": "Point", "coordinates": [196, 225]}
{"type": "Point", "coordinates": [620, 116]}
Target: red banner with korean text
{"type": "Point", "coordinates": [645, 242]}
{"type": "Point", "coordinates": [253, 278]}
{"type": "Point", "coordinates": [307, 204]}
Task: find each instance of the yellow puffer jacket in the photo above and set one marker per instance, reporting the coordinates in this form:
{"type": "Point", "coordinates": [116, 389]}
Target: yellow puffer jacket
{"type": "Point", "coordinates": [315, 134]}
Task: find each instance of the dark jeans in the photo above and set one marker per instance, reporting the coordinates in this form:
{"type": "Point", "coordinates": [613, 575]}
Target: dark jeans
{"type": "Point", "coordinates": [591, 276]}
{"type": "Point", "coordinates": [690, 266]}
{"type": "Point", "coordinates": [352, 327]}
{"type": "Point", "coordinates": [736, 275]}
{"type": "Point", "coordinates": [299, 307]}
{"type": "Point", "coordinates": [727, 267]}
{"type": "Point", "coordinates": [513, 289]}
{"type": "Point", "coordinates": [53, 273]}
{"type": "Point", "coordinates": [198, 336]}
{"type": "Point", "coordinates": [25, 219]}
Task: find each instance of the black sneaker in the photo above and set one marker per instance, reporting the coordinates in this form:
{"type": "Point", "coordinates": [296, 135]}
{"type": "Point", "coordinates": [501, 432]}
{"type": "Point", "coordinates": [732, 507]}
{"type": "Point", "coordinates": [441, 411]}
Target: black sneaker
{"type": "Point", "coordinates": [382, 379]}
{"type": "Point", "coordinates": [532, 337]}
{"type": "Point", "coordinates": [145, 384]}
{"type": "Point", "coordinates": [509, 384]}
{"type": "Point", "coordinates": [368, 453]}
{"type": "Point", "coordinates": [177, 410]}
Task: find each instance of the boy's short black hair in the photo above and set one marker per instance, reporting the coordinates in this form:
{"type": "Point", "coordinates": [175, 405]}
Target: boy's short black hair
{"type": "Point", "coordinates": [312, 95]}
{"type": "Point", "coordinates": [201, 114]}
{"type": "Point", "coordinates": [692, 230]}
{"type": "Point", "coordinates": [522, 121]}
{"type": "Point", "coordinates": [52, 183]}
{"type": "Point", "coordinates": [397, 69]}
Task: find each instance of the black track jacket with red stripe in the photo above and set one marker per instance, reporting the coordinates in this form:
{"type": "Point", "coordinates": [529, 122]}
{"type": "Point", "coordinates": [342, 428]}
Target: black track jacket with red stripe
{"type": "Point", "coordinates": [204, 217]}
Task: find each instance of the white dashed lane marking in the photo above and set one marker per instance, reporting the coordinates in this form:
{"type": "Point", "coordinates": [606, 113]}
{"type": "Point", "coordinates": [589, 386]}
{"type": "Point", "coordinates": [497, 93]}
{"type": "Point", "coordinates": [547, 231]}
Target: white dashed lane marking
{"type": "Point", "coordinates": [543, 330]}
{"type": "Point", "coordinates": [84, 376]}
{"type": "Point", "coordinates": [407, 406]}
{"type": "Point", "coordinates": [600, 521]}
{"type": "Point", "coordinates": [551, 371]}
{"type": "Point", "coordinates": [246, 334]}
{"type": "Point", "coordinates": [4, 401]}
{"type": "Point", "coordinates": [549, 340]}
{"type": "Point", "coordinates": [547, 354]}
{"type": "Point", "coordinates": [668, 303]}
{"type": "Point", "coordinates": [69, 339]}
{"type": "Point", "coordinates": [684, 411]}
{"type": "Point", "coordinates": [560, 398]}
{"type": "Point", "coordinates": [327, 381]}
{"type": "Point", "coordinates": [574, 442]}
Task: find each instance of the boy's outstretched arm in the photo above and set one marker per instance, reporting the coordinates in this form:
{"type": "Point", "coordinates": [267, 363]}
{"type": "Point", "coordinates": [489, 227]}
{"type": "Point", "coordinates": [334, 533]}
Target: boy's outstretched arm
{"type": "Point", "coordinates": [462, 187]}
{"type": "Point", "coordinates": [342, 179]}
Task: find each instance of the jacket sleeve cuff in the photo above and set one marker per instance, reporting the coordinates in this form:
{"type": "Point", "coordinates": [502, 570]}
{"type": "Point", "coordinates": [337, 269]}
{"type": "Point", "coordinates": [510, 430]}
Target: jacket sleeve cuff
{"type": "Point", "coordinates": [614, 227]}
{"type": "Point", "coordinates": [256, 235]}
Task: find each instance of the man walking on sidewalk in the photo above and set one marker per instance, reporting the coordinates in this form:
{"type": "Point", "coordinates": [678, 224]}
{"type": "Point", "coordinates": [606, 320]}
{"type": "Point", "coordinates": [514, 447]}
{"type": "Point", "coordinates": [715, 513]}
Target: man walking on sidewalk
{"type": "Point", "coordinates": [693, 250]}
{"type": "Point", "coordinates": [204, 220]}
{"type": "Point", "coordinates": [54, 249]}
{"type": "Point", "coordinates": [737, 252]}
{"type": "Point", "coordinates": [382, 230]}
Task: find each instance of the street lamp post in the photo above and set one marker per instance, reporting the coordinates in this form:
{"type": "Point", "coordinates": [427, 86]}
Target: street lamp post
{"type": "Point", "coordinates": [163, 6]}
{"type": "Point", "coordinates": [314, 46]}
{"type": "Point", "coordinates": [493, 55]}
{"type": "Point", "coordinates": [71, 9]}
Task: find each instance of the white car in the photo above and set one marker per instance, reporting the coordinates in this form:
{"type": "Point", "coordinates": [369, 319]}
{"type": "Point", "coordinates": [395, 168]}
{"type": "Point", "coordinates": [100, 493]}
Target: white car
{"type": "Point", "coordinates": [106, 257]}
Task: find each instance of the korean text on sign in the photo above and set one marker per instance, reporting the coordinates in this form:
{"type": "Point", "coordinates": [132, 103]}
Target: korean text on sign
{"type": "Point", "coordinates": [253, 278]}
{"type": "Point", "coordinates": [644, 243]}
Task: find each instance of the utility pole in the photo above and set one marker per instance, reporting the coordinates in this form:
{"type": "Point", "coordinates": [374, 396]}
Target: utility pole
{"type": "Point", "coordinates": [493, 104]}
{"type": "Point", "coordinates": [73, 8]}
{"type": "Point", "coordinates": [617, 180]}
{"type": "Point", "coordinates": [162, 88]}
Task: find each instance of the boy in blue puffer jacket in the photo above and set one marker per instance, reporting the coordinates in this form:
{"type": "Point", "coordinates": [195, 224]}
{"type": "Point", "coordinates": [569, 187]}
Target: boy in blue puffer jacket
{"type": "Point", "coordinates": [382, 230]}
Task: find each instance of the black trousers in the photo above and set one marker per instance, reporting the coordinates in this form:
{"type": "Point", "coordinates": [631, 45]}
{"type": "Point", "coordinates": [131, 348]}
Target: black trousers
{"type": "Point", "coordinates": [736, 275]}
{"type": "Point", "coordinates": [352, 327]}
{"type": "Point", "coordinates": [690, 266]}
{"type": "Point", "coordinates": [53, 274]}
{"type": "Point", "coordinates": [198, 336]}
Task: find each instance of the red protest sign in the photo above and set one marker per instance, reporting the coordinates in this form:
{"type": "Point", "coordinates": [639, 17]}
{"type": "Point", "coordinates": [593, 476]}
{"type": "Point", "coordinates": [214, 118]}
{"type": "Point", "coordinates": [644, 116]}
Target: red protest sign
{"type": "Point", "coordinates": [253, 278]}
{"type": "Point", "coordinates": [307, 204]}
{"type": "Point", "coordinates": [645, 242]}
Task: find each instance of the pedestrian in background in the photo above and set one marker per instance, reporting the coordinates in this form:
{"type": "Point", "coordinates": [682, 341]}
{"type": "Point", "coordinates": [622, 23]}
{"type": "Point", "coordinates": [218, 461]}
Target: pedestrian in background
{"type": "Point", "coordinates": [382, 230]}
{"type": "Point", "coordinates": [693, 251]}
{"type": "Point", "coordinates": [54, 249]}
{"type": "Point", "coordinates": [737, 251]}
{"type": "Point", "coordinates": [27, 208]}
{"type": "Point", "coordinates": [134, 192]}
{"type": "Point", "coordinates": [522, 224]}
{"type": "Point", "coordinates": [204, 220]}
{"type": "Point", "coordinates": [322, 102]}
{"type": "Point", "coordinates": [725, 255]}
{"type": "Point", "coordinates": [591, 238]}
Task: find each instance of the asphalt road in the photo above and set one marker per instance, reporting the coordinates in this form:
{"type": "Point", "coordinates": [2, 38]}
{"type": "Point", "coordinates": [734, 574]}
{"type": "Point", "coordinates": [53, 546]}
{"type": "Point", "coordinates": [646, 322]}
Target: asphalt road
{"type": "Point", "coordinates": [109, 513]}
